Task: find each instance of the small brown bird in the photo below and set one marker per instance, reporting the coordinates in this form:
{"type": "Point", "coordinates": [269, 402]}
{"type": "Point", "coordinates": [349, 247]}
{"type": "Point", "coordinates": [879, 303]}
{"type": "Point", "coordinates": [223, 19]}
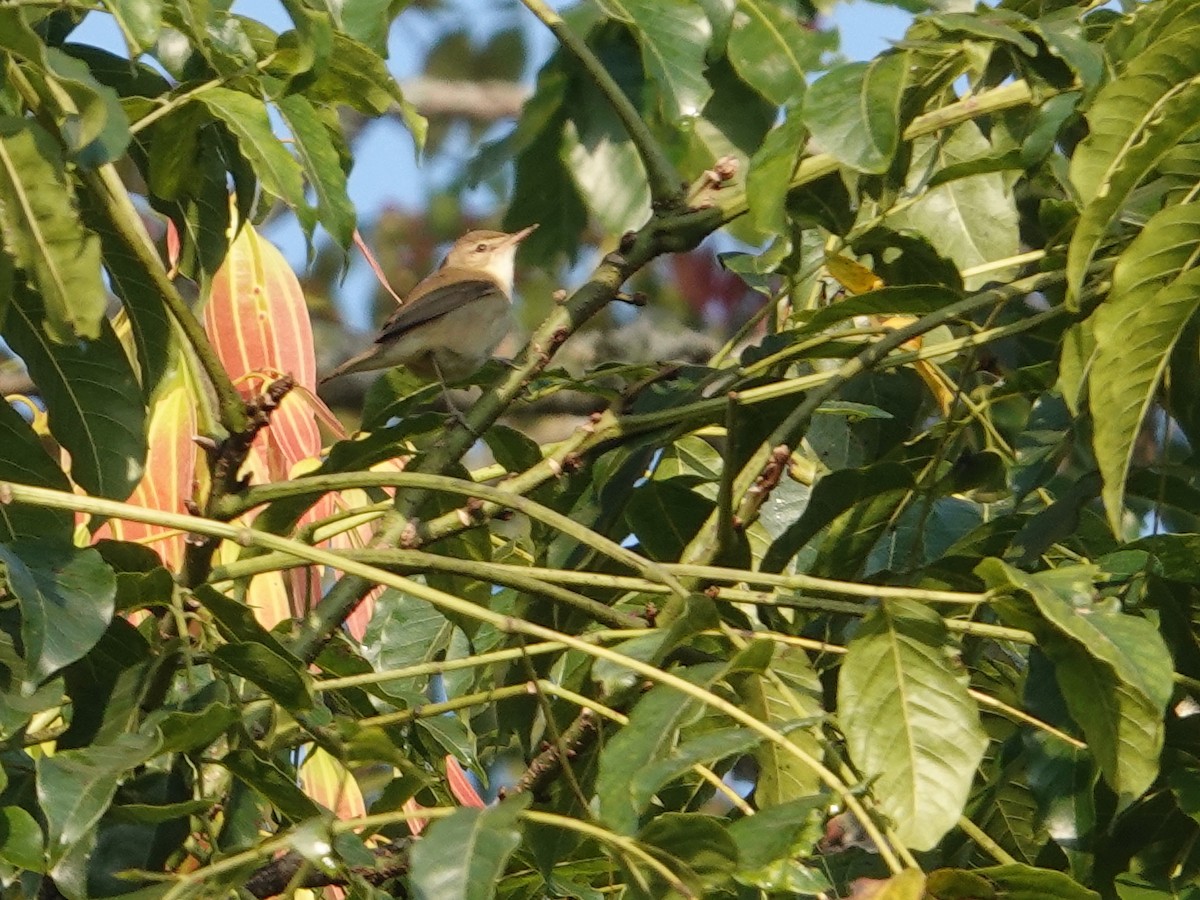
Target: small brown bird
{"type": "Point", "coordinates": [454, 318]}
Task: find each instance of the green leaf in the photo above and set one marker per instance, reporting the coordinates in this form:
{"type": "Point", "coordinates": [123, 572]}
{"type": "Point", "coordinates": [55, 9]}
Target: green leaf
{"type": "Point", "coordinates": [1114, 670]}
{"type": "Point", "coordinates": [405, 631]}
{"type": "Point", "coordinates": [75, 787]}
{"type": "Point", "coordinates": [771, 170]}
{"type": "Point", "coordinates": [674, 36]}
{"type": "Point", "coordinates": [544, 191]}
{"type": "Point", "coordinates": [358, 77]}
{"type": "Point", "coordinates": [789, 691]}
{"type": "Point", "coordinates": [648, 737]}
{"type": "Point", "coordinates": [95, 127]}
{"type": "Point", "coordinates": [839, 494]}
{"type": "Point", "coordinates": [1155, 292]}
{"type": "Point", "coordinates": [771, 50]}
{"type": "Point", "coordinates": [107, 686]}
{"type": "Point", "coordinates": [94, 402]}
{"type": "Point", "coordinates": [463, 856]}
{"type": "Point", "coordinates": [366, 21]}
{"type": "Point", "coordinates": [773, 834]}
{"type": "Point", "coordinates": [25, 461]}
{"type": "Point", "coordinates": [1017, 882]}
{"type": "Point", "coordinates": [139, 20]}
{"type": "Point", "coordinates": [1136, 119]}
{"type": "Point", "coordinates": [971, 220]}
{"type": "Point", "coordinates": [910, 725]}
{"type": "Point", "coordinates": [20, 839]}
{"type": "Point", "coordinates": [665, 516]}
{"type": "Point", "coordinates": [42, 232]}
{"type": "Point", "coordinates": [697, 849]}
{"type": "Point", "coordinates": [17, 38]}
{"type": "Point", "coordinates": [322, 166]}
{"type": "Point", "coordinates": [607, 169]}
{"type": "Point", "coordinates": [281, 677]}
{"type": "Point", "coordinates": [66, 597]}
{"type": "Point", "coordinates": [183, 731]}
{"type": "Point", "coordinates": [149, 321]}
{"type": "Point", "coordinates": [273, 782]}
{"type": "Point", "coordinates": [709, 747]}
{"type": "Point", "coordinates": [998, 25]}
{"type": "Point", "coordinates": [236, 620]}
{"type": "Point", "coordinates": [307, 48]}
{"type": "Point", "coordinates": [853, 112]}
{"type": "Point", "coordinates": [246, 118]}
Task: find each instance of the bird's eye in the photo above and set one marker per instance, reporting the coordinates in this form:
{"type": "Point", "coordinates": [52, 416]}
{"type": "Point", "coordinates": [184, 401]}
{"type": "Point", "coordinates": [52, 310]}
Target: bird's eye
{"type": "Point", "coordinates": [479, 248]}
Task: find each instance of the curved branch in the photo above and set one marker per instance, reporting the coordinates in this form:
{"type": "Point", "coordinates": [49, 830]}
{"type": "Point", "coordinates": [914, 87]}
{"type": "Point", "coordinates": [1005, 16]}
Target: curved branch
{"type": "Point", "coordinates": [666, 188]}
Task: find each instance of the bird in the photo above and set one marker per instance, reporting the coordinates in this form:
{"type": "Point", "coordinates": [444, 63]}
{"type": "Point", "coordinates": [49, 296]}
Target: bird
{"type": "Point", "coordinates": [454, 318]}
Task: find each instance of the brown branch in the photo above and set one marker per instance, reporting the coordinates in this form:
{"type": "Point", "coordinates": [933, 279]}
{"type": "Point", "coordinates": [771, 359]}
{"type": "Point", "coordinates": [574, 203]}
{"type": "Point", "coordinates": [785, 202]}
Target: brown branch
{"type": "Point", "coordinates": [225, 461]}
{"type": "Point", "coordinates": [480, 101]}
{"type": "Point", "coordinates": [547, 764]}
{"type": "Point", "coordinates": [280, 874]}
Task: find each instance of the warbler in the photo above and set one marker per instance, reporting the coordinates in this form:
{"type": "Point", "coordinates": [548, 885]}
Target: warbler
{"type": "Point", "coordinates": [454, 318]}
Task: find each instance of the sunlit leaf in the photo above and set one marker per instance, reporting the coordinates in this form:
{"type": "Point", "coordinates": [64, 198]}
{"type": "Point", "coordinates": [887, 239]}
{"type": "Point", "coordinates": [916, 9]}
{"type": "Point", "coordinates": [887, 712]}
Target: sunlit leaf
{"type": "Point", "coordinates": [772, 50]}
{"type": "Point", "coordinates": [1155, 292]}
{"type": "Point", "coordinates": [43, 234]}
{"type": "Point", "coordinates": [1134, 121]}
{"type": "Point", "coordinates": [674, 36]}
{"type": "Point", "coordinates": [972, 220]}
{"type": "Point", "coordinates": [853, 112]}
{"type": "Point", "coordinates": [910, 725]}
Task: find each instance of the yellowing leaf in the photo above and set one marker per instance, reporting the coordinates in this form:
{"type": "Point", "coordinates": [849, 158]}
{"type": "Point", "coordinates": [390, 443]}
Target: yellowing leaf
{"type": "Point", "coordinates": [853, 276]}
{"type": "Point", "coordinates": [326, 780]}
{"type": "Point", "coordinates": [167, 483]}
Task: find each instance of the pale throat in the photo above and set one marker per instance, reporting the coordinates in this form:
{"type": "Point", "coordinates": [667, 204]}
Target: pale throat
{"type": "Point", "coordinates": [500, 267]}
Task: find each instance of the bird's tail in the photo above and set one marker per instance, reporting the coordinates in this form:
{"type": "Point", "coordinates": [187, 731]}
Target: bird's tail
{"type": "Point", "coordinates": [363, 362]}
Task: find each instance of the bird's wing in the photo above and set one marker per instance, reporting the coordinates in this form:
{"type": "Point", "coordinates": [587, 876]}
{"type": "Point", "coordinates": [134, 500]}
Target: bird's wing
{"type": "Point", "coordinates": [444, 291]}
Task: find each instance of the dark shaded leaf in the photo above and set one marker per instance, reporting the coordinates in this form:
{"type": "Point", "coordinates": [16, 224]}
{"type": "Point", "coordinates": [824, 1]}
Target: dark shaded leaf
{"type": "Point", "coordinates": [94, 402]}
{"type": "Point", "coordinates": [75, 787]}
{"type": "Point", "coordinates": [66, 597]}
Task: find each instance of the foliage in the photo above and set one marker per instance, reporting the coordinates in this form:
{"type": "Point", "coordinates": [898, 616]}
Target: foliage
{"type": "Point", "coordinates": [893, 595]}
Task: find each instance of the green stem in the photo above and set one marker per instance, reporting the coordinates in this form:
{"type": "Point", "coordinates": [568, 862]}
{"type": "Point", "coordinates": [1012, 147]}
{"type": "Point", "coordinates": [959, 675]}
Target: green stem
{"type": "Point", "coordinates": [441, 667]}
{"type": "Point", "coordinates": [703, 548]}
{"type": "Point", "coordinates": [501, 572]}
{"type": "Point", "coordinates": [466, 701]}
{"type": "Point", "coordinates": [812, 168]}
{"type": "Point", "coordinates": [232, 506]}
{"type": "Point", "coordinates": [985, 842]}
{"type": "Point", "coordinates": [666, 187]}
{"type": "Point", "coordinates": [106, 186]}
{"type": "Point", "coordinates": [406, 562]}
{"type": "Point", "coordinates": [448, 603]}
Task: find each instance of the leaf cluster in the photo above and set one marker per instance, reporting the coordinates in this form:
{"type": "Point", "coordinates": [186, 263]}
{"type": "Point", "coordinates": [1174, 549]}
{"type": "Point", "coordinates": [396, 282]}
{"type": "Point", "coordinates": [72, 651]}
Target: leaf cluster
{"type": "Point", "coordinates": [893, 596]}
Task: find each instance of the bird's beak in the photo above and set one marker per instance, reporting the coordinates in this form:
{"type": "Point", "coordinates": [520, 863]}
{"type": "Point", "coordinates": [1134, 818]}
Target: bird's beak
{"type": "Point", "coordinates": [519, 236]}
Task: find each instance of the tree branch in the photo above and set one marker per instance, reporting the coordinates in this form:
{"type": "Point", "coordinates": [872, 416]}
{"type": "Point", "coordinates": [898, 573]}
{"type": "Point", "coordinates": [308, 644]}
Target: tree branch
{"type": "Point", "coordinates": [666, 188]}
{"type": "Point", "coordinates": [480, 101]}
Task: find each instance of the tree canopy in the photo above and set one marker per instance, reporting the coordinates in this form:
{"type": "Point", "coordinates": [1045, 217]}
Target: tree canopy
{"type": "Point", "coordinates": [832, 532]}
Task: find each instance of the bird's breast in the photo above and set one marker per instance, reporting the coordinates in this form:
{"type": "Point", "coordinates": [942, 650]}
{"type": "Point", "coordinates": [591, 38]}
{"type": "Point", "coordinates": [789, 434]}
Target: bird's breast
{"type": "Point", "coordinates": [461, 341]}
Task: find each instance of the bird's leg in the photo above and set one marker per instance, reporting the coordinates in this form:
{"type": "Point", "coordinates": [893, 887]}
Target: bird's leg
{"type": "Point", "coordinates": [458, 414]}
